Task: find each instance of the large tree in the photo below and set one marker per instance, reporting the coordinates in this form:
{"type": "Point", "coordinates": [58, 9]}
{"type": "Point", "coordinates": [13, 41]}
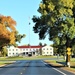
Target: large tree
{"type": "Point", "coordinates": [58, 20]}
{"type": "Point", "coordinates": [8, 33]}
{"type": "Point", "coordinates": [7, 30]}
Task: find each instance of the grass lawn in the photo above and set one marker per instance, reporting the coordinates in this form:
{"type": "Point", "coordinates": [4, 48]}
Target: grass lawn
{"type": "Point", "coordinates": [27, 58]}
{"type": "Point", "coordinates": [2, 63]}
{"type": "Point", "coordinates": [9, 60]}
{"type": "Point", "coordinates": [60, 63]}
{"type": "Point", "coordinates": [73, 63]}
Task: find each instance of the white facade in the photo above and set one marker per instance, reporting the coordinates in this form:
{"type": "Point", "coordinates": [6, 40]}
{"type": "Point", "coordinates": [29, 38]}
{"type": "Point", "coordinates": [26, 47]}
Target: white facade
{"type": "Point", "coordinates": [32, 50]}
{"type": "Point", "coordinates": [23, 50]}
{"type": "Point", "coordinates": [47, 50]}
{"type": "Point", "coordinates": [12, 51]}
{"type": "Point", "coordinates": [26, 51]}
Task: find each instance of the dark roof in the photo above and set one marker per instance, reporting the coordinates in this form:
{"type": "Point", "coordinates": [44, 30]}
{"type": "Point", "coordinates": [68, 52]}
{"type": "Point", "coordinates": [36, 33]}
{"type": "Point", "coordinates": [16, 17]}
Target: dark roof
{"type": "Point", "coordinates": [29, 46]}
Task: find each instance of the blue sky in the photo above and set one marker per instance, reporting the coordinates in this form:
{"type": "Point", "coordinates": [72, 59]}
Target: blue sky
{"type": "Point", "coordinates": [20, 11]}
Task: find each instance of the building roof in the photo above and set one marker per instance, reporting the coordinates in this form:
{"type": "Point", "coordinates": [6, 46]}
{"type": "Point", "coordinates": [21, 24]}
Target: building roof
{"type": "Point", "coordinates": [47, 47]}
{"type": "Point", "coordinates": [29, 46]}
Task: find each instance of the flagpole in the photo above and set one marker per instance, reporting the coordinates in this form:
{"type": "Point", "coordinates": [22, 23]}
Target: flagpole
{"type": "Point", "coordinates": [29, 30]}
{"type": "Point", "coordinates": [29, 36]}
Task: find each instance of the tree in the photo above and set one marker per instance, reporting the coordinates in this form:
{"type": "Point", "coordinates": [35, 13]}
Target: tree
{"type": "Point", "coordinates": [45, 44]}
{"type": "Point", "coordinates": [58, 20]}
{"type": "Point", "coordinates": [7, 30]}
{"type": "Point", "coordinates": [8, 33]}
{"type": "Point", "coordinates": [73, 46]}
{"type": "Point", "coordinates": [29, 45]}
{"type": "Point", "coordinates": [40, 50]}
{"type": "Point", "coordinates": [4, 51]}
{"type": "Point", "coordinates": [18, 37]}
{"type": "Point", "coordinates": [40, 44]}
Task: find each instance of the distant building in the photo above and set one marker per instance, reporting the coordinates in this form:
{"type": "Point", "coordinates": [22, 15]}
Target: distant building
{"type": "Point", "coordinates": [47, 50]}
{"type": "Point", "coordinates": [13, 51]}
{"type": "Point", "coordinates": [24, 51]}
{"type": "Point", "coordinates": [29, 50]}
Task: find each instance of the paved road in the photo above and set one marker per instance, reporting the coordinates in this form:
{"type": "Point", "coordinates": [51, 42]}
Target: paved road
{"type": "Point", "coordinates": [33, 67]}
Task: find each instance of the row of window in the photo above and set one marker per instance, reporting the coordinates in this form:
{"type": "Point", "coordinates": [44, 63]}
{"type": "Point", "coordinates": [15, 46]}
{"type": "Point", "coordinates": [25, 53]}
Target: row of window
{"type": "Point", "coordinates": [28, 49]}
{"type": "Point", "coordinates": [13, 53]}
{"type": "Point", "coordinates": [13, 49]}
{"type": "Point", "coordinates": [22, 49]}
{"type": "Point", "coordinates": [24, 53]}
{"type": "Point", "coordinates": [47, 52]}
{"type": "Point", "coordinates": [47, 48]}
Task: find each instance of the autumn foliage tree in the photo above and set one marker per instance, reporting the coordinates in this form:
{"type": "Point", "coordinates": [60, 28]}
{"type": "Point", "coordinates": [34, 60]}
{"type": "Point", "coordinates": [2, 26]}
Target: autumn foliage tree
{"type": "Point", "coordinates": [7, 30]}
{"type": "Point", "coordinates": [8, 33]}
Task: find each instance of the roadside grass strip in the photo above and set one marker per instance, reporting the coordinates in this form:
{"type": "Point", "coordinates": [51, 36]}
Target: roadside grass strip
{"type": "Point", "coordinates": [3, 63]}
{"type": "Point", "coordinates": [54, 68]}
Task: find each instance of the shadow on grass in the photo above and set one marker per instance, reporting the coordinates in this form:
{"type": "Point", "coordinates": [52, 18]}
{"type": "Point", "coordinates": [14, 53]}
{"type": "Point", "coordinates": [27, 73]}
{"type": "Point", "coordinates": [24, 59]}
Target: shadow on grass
{"type": "Point", "coordinates": [64, 64]}
{"type": "Point", "coordinates": [73, 67]}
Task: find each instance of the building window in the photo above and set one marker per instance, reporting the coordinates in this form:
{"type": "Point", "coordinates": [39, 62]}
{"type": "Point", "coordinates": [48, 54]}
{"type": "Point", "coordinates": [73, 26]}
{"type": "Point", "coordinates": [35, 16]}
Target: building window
{"type": "Point", "coordinates": [43, 48]}
{"type": "Point", "coordinates": [47, 48]}
{"type": "Point", "coordinates": [50, 48]}
{"type": "Point", "coordinates": [17, 53]}
{"type": "Point", "coordinates": [30, 49]}
{"type": "Point", "coordinates": [9, 53]}
{"type": "Point", "coordinates": [26, 52]}
{"type": "Point", "coordinates": [21, 49]}
{"type": "Point", "coordinates": [50, 52]}
{"type": "Point", "coordinates": [47, 52]}
{"type": "Point", "coordinates": [33, 49]}
{"type": "Point", "coordinates": [16, 49]}
{"type": "Point", "coordinates": [23, 53]}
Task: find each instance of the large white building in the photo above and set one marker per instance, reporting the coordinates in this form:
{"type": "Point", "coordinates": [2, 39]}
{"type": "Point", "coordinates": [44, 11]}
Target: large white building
{"type": "Point", "coordinates": [29, 50]}
{"type": "Point", "coordinates": [47, 50]}
{"type": "Point", "coordinates": [13, 51]}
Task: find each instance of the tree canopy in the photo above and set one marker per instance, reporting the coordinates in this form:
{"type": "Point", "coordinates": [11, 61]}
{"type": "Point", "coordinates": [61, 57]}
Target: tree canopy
{"type": "Point", "coordinates": [7, 30]}
{"type": "Point", "coordinates": [8, 33]}
{"type": "Point", "coordinates": [58, 20]}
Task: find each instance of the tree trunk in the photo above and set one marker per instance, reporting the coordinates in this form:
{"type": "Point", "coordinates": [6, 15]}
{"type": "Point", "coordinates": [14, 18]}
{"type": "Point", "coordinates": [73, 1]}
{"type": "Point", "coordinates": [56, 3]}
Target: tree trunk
{"type": "Point", "coordinates": [68, 42]}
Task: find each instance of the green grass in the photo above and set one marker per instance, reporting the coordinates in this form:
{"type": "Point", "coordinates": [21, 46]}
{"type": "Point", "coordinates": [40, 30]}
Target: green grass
{"type": "Point", "coordinates": [54, 62]}
{"type": "Point", "coordinates": [6, 62]}
{"type": "Point", "coordinates": [27, 58]}
{"type": "Point", "coordinates": [72, 59]}
{"type": "Point", "coordinates": [3, 60]}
